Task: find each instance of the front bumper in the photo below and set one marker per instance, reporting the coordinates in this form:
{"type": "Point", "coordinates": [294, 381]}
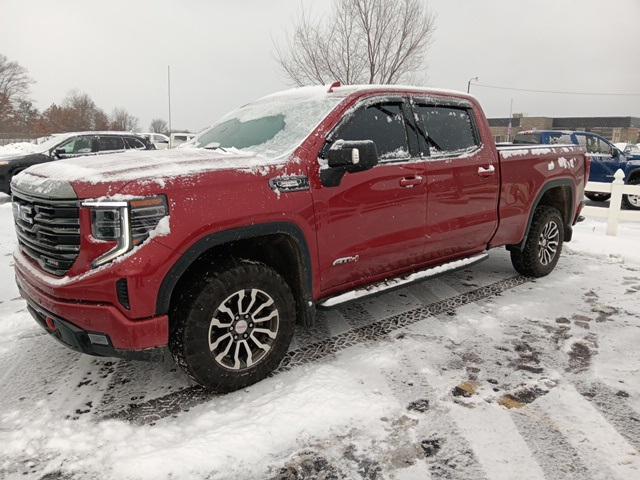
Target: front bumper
{"type": "Point", "coordinates": [94, 328]}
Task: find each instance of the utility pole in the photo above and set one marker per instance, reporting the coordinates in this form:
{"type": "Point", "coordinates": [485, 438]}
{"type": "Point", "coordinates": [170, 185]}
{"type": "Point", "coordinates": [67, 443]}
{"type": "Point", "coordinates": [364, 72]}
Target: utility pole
{"type": "Point", "coordinates": [474, 79]}
{"type": "Point", "coordinates": [510, 121]}
{"type": "Point", "coordinates": [169, 98]}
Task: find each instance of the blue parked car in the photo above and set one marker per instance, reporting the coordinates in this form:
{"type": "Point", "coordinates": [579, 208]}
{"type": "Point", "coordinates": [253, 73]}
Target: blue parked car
{"type": "Point", "coordinates": [606, 159]}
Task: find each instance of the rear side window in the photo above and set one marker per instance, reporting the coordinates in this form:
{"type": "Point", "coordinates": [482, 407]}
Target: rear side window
{"type": "Point", "coordinates": [135, 143]}
{"type": "Point", "coordinates": [562, 138]}
{"type": "Point", "coordinates": [528, 139]}
{"type": "Point", "coordinates": [448, 129]}
{"type": "Point", "coordinates": [381, 122]}
{"type": "Point", "coordinates": [106, 144]}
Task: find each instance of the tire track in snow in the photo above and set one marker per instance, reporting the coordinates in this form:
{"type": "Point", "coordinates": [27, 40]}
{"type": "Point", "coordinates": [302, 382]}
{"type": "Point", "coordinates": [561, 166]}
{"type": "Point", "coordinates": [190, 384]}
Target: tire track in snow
{"type": "Point", "coordinates": [553, 452]}
{"type": "Point", "coordinates": [174, 403]}
{"type": "Point", "coordinates": [612, 405]}
{"type": "Point", "coordinates": [599, 444]}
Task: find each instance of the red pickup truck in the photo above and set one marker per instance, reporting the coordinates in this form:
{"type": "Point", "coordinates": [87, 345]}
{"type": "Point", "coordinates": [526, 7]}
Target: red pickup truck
{"type": "Point", "coordinates": [303, 199]}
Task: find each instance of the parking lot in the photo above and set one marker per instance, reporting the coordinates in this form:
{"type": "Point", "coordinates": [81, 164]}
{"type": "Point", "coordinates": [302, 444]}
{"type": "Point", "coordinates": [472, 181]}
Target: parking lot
{"type": "Point", "coordinates": [476, 374]}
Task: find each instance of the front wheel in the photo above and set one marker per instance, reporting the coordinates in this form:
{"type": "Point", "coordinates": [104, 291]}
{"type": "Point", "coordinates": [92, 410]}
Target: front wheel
{"type": "Point", "coordinates": [632, 202]}
{"type": "Point", "coordinates": [234, 326]}
{"type": "Point", "coordinates": [543, 244]}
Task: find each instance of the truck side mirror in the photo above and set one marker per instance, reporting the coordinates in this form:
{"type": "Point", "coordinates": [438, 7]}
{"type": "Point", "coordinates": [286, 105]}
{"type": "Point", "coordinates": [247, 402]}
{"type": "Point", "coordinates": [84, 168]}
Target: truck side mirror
{"type": "Point", "coordinates": [354, 156]}
{"type": "Point", "coordinates": [348, 157]}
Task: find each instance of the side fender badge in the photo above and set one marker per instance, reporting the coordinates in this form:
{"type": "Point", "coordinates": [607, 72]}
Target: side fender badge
{"type": "Point", "coordinates": [289, 184]}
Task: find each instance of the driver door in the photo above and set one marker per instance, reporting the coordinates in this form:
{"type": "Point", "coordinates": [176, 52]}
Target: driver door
{"type": "Point", "coordinates": [372, 224]}
{"type": "Point", "coordinates": [77, 147]}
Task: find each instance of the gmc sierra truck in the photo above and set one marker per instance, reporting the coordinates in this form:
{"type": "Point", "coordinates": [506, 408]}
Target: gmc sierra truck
{"type": "Point", "coordinates": [303, 199]}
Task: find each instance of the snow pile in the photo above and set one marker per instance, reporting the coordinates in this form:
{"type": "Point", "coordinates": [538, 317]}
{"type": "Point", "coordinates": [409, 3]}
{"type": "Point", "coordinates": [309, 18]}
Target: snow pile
{"type": "Point", "coordinates": [20, 148]}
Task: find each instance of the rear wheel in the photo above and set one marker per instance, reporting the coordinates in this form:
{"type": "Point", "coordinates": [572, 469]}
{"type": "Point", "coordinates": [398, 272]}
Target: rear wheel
{"type": "Point", "coordinates": [632, 202]}
{"type": "Point", "coordinates": [233, 327]}
{"type": "Point", "coordinates": [597, 197]}
{"type": "Point", "coordinates": [543, 244]}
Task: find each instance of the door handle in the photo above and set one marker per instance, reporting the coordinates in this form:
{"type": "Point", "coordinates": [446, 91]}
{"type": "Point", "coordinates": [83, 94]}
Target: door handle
{"type": "Point", "coordinates": [486, 171]}
{"type": "Point", "coordinates": [410, 182]}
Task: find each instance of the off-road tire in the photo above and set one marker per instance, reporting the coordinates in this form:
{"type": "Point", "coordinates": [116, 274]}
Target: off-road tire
{"type": "Point", "coordinates": [626, 203]}
{"type": "Point", "coordinates": [527, 261]}
{"type": "Point", "coordinates": [597, 197]}
{"type": "Point", "coordinates": [192, 313]}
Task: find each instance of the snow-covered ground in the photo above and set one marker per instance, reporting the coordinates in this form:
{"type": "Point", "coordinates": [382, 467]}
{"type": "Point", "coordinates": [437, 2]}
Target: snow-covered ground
{"type": "Point", "coordinates": [18, 148]}
{"type": "Point", "coordinates": [476, 374]}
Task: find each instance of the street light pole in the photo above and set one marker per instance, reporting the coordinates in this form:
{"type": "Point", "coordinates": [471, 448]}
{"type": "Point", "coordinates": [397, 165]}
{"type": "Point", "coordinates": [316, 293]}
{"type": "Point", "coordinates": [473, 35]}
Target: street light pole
{"type": "Point", "coordinates": [469, 83]}
{"type": "Point", "coordinates": [169, 99]}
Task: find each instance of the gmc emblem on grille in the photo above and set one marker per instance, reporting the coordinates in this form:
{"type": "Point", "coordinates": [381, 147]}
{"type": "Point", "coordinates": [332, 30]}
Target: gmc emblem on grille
{"type": "Point", "coordinates": [23, 212]}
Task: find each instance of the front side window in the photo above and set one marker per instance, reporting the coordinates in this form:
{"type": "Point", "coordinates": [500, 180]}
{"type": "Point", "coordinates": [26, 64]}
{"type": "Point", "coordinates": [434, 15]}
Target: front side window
{"type": "Point", "coordinates": [449, 130]}
{"type": "Point", "coordinates": [76, 146]}
{"type": "Point", "coordinates": [381, 122]}
{"type": "Point", "coordinates": [110, 143]}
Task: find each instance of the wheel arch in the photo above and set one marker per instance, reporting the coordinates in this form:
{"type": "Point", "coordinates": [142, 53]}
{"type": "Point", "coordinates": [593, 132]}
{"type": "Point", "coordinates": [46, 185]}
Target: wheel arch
{"type": "Point", "coordinates": [282, 246]}
{"type": "Point", "coordinates": [559, 193]}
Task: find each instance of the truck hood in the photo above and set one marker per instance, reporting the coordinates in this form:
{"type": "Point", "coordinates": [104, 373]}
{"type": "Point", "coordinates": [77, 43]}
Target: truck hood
{"type": "Point", "coordinates": [121, 168]}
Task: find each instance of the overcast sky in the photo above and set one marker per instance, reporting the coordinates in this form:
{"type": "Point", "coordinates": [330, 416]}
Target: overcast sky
{"type": "Point", "coordinates": [221, 52]}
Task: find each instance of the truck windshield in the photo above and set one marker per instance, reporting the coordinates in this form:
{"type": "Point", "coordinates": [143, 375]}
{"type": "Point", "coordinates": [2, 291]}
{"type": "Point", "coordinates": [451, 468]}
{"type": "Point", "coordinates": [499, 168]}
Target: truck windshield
{"type": "Point", "coordinates": [272, 126]}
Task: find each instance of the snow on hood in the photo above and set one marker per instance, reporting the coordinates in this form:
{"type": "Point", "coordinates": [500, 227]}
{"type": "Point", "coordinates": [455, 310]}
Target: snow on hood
{"type": "Point", "coordinates": [157, 165]}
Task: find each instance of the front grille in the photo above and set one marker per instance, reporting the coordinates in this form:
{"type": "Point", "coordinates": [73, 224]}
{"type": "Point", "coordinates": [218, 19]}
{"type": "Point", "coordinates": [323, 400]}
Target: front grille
{"type": "Point", "coordinates": [48, 231]}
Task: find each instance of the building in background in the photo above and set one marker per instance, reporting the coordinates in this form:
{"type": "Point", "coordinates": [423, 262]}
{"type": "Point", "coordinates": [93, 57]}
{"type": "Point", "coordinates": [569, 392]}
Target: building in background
{"type": "Point", "coordinates": [616, 129]}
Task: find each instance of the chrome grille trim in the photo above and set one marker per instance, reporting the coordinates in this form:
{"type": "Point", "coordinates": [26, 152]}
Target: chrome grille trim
{"type": "Point", "coordinates": [48, 230]}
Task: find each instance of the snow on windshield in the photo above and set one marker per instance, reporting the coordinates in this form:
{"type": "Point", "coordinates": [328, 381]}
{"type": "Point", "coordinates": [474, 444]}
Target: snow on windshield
{"type": "Point", "coordinates": [272, 126]}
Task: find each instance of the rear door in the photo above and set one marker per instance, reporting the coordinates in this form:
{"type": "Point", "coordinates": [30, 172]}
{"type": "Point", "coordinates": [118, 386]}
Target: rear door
{"type": "Point", "coordinates": [373, 222]}
{"type": "Point", "coordinates": [463, 180]}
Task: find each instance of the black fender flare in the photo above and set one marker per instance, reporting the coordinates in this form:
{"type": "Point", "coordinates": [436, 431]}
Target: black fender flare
{"type": "Point", "coordinates": [562, 182]}
{"type": "Point", "coordinates": [227, 236]}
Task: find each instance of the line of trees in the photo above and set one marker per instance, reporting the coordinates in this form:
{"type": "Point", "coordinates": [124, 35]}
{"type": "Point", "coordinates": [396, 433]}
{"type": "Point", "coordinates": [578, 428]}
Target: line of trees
{"type": "Point", "coordinates": [76, 112]}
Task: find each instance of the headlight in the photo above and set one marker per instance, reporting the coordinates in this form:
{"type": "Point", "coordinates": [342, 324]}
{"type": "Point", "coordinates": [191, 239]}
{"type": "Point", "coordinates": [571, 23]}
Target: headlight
{"type": "Point", "coordinates": [3, 163]}
{"type": "Point", "coordinates": [127, 223]}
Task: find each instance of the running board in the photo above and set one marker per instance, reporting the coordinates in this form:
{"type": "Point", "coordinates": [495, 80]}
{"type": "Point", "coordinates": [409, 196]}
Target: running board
{"type": "Point", "coordinates": [400, 281]}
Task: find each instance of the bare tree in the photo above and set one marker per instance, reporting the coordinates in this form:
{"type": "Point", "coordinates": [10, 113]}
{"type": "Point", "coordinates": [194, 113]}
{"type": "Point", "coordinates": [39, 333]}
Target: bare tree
{"type": "Point", "coordinates": [364, 41]}
{"type": "Point", "coordinates": [158, 125]}
{"type": "Point", "coordinates": [123, 120]}
{"type": "Point", "coordinates": [14, 85]}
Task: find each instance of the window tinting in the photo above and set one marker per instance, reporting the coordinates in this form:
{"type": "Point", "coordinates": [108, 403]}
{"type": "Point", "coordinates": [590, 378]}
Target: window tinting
{"type": "Point", "coordinates": [135, 143]}
{"type": "Point", "coordinates": [448, 129]}
{"type": "Point", "coordinates": [383, 123]}
{"type": "Point", "coordinates": [110, 143]}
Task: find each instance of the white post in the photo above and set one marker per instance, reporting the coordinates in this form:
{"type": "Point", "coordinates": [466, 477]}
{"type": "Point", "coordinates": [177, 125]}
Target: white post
{"type": "Point", "coordinates": [615, 204]}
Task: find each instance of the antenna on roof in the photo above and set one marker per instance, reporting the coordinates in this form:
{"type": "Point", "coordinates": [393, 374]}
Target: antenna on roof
{"type": "Point", "coordinates": [335, 84]}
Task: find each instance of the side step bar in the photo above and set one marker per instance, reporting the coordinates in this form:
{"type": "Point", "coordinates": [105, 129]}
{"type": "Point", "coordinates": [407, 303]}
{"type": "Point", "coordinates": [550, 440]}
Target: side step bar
{"type": "Point", "coordinates": [400, 281]}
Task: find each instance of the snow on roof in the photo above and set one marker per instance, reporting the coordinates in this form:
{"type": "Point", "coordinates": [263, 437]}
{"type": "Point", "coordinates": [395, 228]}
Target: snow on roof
{"type": "Point", "coordinates": [346, 90]}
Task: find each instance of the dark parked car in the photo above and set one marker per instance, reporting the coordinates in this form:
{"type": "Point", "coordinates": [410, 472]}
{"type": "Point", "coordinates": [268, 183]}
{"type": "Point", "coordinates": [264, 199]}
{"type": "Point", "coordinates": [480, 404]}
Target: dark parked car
{"type": "Point", "coordinates": [67, 145]}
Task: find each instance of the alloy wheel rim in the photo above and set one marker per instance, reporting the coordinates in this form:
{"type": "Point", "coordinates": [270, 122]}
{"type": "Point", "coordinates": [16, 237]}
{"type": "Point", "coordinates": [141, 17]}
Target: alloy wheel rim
{"type": "Point", "coordinates": [243, 329]}
{"type": "Point", "coordinates": [548, 242]}
{"type": "Point", "coordinates": [634, 200]}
